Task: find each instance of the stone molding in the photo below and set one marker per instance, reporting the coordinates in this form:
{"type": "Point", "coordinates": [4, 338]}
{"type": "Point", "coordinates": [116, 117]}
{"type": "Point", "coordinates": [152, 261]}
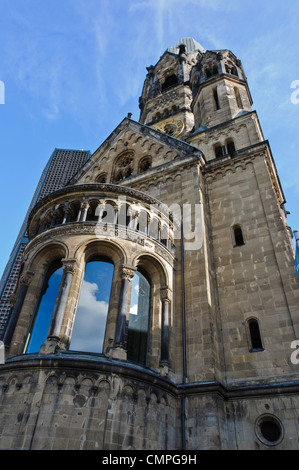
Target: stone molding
{"type": "Point", "coordinates": [127, 272]}
{"type": "Point", "coordinates": [26, 278]}
{"type": "Point", "coordinates": [69, 266]}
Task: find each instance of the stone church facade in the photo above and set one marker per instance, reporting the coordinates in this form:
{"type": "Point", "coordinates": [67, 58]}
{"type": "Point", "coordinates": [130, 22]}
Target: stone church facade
{"type": "Point", "coordinates": [186, 212]}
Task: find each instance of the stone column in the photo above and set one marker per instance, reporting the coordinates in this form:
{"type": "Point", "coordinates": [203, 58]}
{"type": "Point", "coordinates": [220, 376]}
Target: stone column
{"type": "Point", "coordinates": [67, 212]}
{"type": "Point", "coordinates": [134, 220]}
{"type": "Point", "coordinates": [165, 298]}
{"type": "Point", "coordinates": [127, 274]}
{"type": "Point", "coordinates": [13, 319]}
{"type": "Point", "coordinates": [148, 224]}
{"type": "Point", "coordinates": [84, 210]}
{"type": "Point", "coordinates": [53, 219]}
{"type": "Point", "coordinates": [53, 339]}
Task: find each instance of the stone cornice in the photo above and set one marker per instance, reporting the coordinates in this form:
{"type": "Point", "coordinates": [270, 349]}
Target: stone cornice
{"type": "Point", "coordinates": [255, 150]}
{"type": "Point", "coordinates": [261, 149]}
{"type": "Point", "coordinates": [90, 229]}
{"type": "Point", "coordinates": [100, 189]}
{"type": "Point", "coordinates": [75, 363]}
{"type": "Point", "coordinates": [145, 131]}
{"type": "Point", "coordinates": [242, 118]}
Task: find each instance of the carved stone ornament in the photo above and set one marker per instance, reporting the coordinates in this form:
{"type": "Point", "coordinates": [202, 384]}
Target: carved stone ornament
{"type": "Point", "coordinates": [165, 293]}
{"type": "Point", "coordinates": [26, 278]}
{"type": "Point", "coordinates": [69, 265]}
{"type": "Point", "coordinates": [127, 272]}
{"type": "Point", "coordinates": [85, 205]}
{"type": "Point", "coordinates": [13, 299]}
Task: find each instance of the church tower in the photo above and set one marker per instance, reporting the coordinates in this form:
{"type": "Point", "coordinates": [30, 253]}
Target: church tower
{"type": "Point", "coordinates": [167, 96]}
{"type": "Point", "coordinates": [156, 303]}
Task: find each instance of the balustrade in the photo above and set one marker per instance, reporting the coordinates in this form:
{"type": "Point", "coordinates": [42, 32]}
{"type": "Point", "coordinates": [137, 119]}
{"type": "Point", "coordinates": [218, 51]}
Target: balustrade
{"type": "Point", "coordinates": [144, 220]}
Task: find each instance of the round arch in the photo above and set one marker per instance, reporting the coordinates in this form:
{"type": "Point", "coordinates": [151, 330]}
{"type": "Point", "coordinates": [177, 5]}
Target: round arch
{"type": "Point", "coordinates": [47, 254]}
{"type": "Point", "coordinates": [96, 247]}
{"type": "Point", "coordinates": [153, 267]}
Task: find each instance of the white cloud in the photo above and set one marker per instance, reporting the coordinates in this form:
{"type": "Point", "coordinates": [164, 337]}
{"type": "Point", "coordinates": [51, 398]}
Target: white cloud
{"type": "Point", "coordinates": [134, 309]}
{"type": "Point", "coordinates": [90, 322]}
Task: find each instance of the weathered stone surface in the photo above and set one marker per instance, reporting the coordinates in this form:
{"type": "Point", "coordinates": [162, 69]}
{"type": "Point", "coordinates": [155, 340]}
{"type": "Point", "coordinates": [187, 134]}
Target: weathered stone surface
{"type": "Point", "coordinates": [205, 385]}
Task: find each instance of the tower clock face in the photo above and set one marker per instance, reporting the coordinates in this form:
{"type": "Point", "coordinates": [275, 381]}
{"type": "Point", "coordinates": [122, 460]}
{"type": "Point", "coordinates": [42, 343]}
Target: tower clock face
{"type": "Point", "coordinates": [172, 127]}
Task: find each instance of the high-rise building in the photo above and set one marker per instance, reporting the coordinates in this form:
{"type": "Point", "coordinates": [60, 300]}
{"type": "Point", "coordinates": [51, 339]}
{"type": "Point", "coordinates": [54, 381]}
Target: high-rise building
{"type": "Point", "coordinates": [156, 306]}
{"type": "Point", "coordinates": [62, 165]}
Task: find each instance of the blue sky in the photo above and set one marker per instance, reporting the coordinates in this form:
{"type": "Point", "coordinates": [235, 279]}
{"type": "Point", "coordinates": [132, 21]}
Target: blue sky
{"type": "Point", "coordinates": [73, 69]}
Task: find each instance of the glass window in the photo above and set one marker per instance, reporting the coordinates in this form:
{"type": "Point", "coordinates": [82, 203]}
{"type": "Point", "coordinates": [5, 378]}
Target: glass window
{"type": "Point", "coordinates": [169, 82]}
{"type": "Point", "coordinates": [45, 310]}
{"type": "Point", "coordinates": [255, 336]}
{"type": "Point", "coordinates": [238, 98]}
{"type": "Point", "coordinates": [90, 321]}
{"type": "Point", "coordinates": [139, 319]}
{"type": "Point", "coordinates": [216, 98]}
{"type": "Point", "coordinates": [238, 236]}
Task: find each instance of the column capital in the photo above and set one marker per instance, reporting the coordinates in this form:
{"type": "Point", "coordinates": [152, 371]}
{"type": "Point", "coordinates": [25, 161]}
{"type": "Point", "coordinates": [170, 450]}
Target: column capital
{"type": "Point", "coordinates": [85, 205]}
{"type": "Point", "coordinates": [13, 298]}
{"type": "Point", "coordinates": [165, 293]}
{"type": "Point", "coordinates": [127, 272]}
{"type": "Point", "coordinates": [69, 265]}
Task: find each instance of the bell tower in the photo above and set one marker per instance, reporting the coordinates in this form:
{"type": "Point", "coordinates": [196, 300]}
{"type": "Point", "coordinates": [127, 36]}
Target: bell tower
{"type": "Point", "coordinates": [155, 304]}
{"type": "Point", "coordinates": [166, 98]}
{"type": "Point", "coordinates": [219, 87]}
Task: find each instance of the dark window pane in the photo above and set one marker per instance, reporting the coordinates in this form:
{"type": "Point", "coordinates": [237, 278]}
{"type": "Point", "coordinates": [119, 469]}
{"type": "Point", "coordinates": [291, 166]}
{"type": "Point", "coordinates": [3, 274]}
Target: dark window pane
{"type": "Point", "coordinates": [230, 147]}
{"type": "Point", "coordinates": [270, 430]}
{"type": "Point", "coordinates": [216, 98]}
{"type": "Point", "coordinates": [91, 316]}
{"type": "Point", "coordinates": [45, 311]}
{"type": "Point", "coordinates": [170, 81]}
{"type": "Point", "coordinates": [238, 236]}
{"type": "Point", "coordinates": [255, 336]}
{"type": "Point", "coordinates": [218, 151]}
{"type": "Point", "coordinates": [139, 319]}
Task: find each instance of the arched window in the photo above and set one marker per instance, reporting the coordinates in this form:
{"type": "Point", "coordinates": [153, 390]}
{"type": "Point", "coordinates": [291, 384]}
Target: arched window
{"type": "Point", "coordinates": [138, 327]}
{"type": "Point", "coordinates": [92, 212]}
{"type": "Point", "coordinates": [124, 166]}
{"type": "Point", "coordinates": [238, 234]}
{"type": "Point", "coordinates": [75, 209]}
{"type": "Point", "coordinates": [169, 82]}
{"type": "Point", "coordinates": [45, 308]}
{"type": "Point", "coordinates": [90, 321]}
{"type": "Point", "coordinates": [230, 147]}
{"type": "Point", "coordinates": [238, 98]}
{"type": "Point", "coordinates": [218, 151]}
{"type": "Point", "coordinates": [216, 98]}
{"type": "Point", "coordinates": [255, 335]}
{"type": "Point", "coordinates": [207, 72]}
{"type": "Point", "coordinates": [101, 178]}
{"type": "Point", "coordinates": [142, 222]}
{"type": "Point", "coordinates": [145, 164]}
{"type": "Point", "coordinates": [215, 69]}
